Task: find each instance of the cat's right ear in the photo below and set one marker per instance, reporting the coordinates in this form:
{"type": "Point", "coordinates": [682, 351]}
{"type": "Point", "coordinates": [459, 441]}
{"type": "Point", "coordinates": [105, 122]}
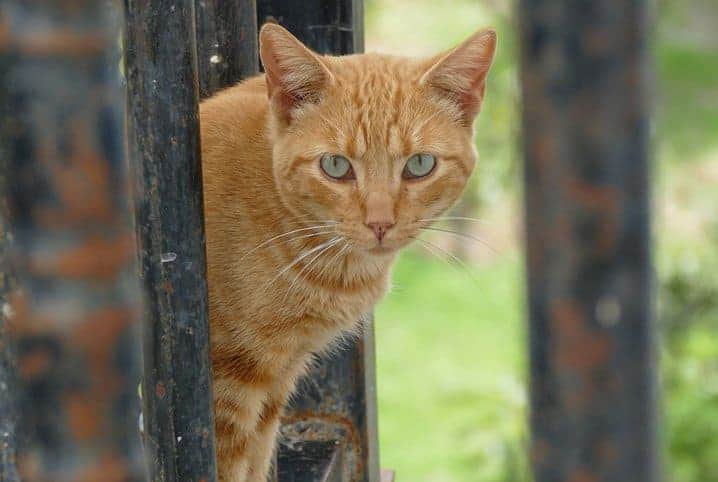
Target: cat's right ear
{"type": "Point", "coordinates": [295, 75]}
{"type": "Point", "coordinates": [459, 76]}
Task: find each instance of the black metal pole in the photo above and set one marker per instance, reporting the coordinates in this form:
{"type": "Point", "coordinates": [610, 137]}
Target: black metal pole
{"type": "Point", "coordinates": [327, 26]}
{"type": "Point", "coordinates": [226, 43]}
{"type": "Point", "coordinates": [593, 372]}
{"type": "Point", "coordinates": [343, 387]}
{"type": "Point", "coordinates": [8, 387]}
{"type": "Point", "coordinates": [163, 132]}
{"type": "Point", "coordinates": [75, 323]}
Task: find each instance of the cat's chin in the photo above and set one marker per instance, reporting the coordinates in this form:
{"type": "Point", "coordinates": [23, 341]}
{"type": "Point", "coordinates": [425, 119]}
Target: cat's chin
{"type": "Point", "coordinates": [381, 250]}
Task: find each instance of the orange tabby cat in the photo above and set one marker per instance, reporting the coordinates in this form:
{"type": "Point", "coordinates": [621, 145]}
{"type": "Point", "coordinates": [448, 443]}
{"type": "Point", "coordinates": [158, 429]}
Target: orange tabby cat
{"type": "Point", "coordinates": [315, 174]}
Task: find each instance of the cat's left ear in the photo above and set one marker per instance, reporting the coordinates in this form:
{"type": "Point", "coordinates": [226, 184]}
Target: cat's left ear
{"type": "Point", "coordinates": [295, 75]}
{"type": "Point", "coordinates": [460, 75]}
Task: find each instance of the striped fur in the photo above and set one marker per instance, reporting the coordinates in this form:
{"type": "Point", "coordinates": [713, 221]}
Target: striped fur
{"type": "Point", "coordinates": [276, 298]}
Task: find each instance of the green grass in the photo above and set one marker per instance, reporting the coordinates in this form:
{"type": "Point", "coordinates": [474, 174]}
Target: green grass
{"type": "Point", "coordinates": [451, 370]}
{"type": "Point", "coordinates": [687, 102]}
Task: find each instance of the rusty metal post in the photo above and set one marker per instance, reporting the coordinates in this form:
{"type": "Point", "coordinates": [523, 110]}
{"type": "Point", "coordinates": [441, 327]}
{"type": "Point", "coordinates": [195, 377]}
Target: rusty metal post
{"type": "Point", "coordinates": [585, 119]}
{"type": "Point", "coordinates": [8, 387]}
{"type": "Point", "coordinates": [338, 400]}
{"type": "Point", "coordinates": [226, 43]}
{"type": "Point", "coordinates": [163, 134]}
{"type": "Point", "coordinates": [74, 328]}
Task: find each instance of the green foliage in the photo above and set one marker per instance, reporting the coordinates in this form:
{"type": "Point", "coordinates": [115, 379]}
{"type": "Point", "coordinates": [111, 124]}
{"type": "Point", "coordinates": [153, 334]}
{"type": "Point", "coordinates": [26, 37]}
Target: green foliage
{"type": "Point", "coordinates": [689, 323]}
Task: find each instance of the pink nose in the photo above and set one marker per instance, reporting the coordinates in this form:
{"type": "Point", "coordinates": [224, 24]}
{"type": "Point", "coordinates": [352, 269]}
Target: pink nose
{"type": "Point", "coordinates": [380, 229]}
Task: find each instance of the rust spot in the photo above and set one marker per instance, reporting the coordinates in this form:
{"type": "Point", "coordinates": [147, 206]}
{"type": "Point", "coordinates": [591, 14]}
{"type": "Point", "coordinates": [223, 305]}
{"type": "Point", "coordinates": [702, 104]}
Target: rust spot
{"type": "Point", "coordinates": [603, 201]}
{"type": "Point", "coordinates": [540, 451]}
{"type": "Point", "coordinates": [34, 364]}
{"type": "Point", "coordinates": [4, 35]}
{"type": "Point", "coordinates": [61, 42]}
{"type": "Point", "coordinates": [582, 475]}
{"type": "Point", "coordinates": [578, 347]}
{"type": "Point", "coordinates": [83, 185]}
{"type": "Point", "coordinates": [95, 258]}
{"type": "Point", "coordinates": [111, 467]}
{"type": "Point", "coordinates": [329, 426]}
{"type": "Point", "coordinates": [168, 287]}
{"type": "Point", "coordinates": [21, 307]}
{"type": "Point", "coordinates": [84, 415]}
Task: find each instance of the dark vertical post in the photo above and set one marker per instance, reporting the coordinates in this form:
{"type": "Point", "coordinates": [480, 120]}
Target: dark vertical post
{"type": "Point", "coordinates": [226, 43]}
{"type": "Point", "coordinates": [585, 121]}
{"type": "Point", "coordinates": [338, 400]}
{"type": "Point", "coordinates": [327, 26]}
{"type": "Point", "coordinates": [8, 388]}
{"type": "Point", "coordinates": [163, 132]}
{"type": "Point", "coordinates": [74, 328]}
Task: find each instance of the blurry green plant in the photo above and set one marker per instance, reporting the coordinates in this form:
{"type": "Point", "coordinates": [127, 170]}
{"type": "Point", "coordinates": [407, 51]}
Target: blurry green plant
{"type": "Point", "coordinates": [688, 316]}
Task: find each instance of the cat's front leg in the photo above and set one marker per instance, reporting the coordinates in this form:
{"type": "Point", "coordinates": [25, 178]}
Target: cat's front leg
{"type": "Point", "coordinates": [238, 407]}
{"type": "Point", "coordinates": [264, 441]}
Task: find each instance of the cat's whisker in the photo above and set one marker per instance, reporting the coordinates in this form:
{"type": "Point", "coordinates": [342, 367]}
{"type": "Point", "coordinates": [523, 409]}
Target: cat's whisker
{"type": "Point", "coordinates": [304, 236]}
{"type": "Point", "coordinates": [460, 235]}
{"type": "Point", "coordinates": [304, 255]}
{"type": "Point", "coordinates": [455, 259]}
{"type": "Point", "coordinates": [307, 266]}
{"type": "Point", "coordinates": [283, 235]}
{"type": "Point", "coordinates": [340, 251]}
{"type": "Point", "coordinates": [327, 222]}
{"type": "Point", "coordinates": [454, 218]}
{"type": "Point", "coordinates": [430, 250]}
{"type": "Point", "coordinates": [289, 240]}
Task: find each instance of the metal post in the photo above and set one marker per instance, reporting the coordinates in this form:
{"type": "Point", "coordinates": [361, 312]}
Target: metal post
{"type": "Point", "coordinates": [593, 373]}
{"type": "Point", "coordinates": [74, 328]}
{"type": "Point", "coordinates": [226, 43]}
{"type": "Point", "coordinates": [163, 132]}
{"type": "Point", "coordinates": [8, 387]}
{"type": "Point", "coordinates": [327, 26]}
{"type": "Point", "coordinates": [338, 400]}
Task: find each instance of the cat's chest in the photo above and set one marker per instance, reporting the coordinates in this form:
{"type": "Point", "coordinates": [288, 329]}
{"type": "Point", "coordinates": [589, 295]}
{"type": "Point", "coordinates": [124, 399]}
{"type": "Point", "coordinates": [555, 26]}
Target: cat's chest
{"type": "Point", "coordinates": [342, 307]}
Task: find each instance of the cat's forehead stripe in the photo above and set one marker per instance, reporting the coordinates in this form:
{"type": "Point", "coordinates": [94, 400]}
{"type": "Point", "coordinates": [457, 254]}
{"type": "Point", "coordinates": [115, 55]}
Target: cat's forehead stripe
{"type": "Point", "coordinates": [379, 108]}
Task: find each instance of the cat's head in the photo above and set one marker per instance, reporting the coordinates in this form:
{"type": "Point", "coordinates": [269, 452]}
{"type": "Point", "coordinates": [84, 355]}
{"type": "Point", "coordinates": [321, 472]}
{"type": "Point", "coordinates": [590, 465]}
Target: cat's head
{"type": "Point", "coordinates": [377, 144]}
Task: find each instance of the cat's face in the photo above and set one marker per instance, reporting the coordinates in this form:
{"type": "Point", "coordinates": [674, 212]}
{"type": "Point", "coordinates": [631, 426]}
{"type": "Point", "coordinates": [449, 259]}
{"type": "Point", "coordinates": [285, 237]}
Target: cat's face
{"type": "Point", "coordinates": [376, 145]}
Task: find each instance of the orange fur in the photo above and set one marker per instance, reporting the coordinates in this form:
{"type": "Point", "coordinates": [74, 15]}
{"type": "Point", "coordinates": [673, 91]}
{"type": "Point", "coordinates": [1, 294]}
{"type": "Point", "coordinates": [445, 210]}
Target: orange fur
{"type": "Point", "coordinates": [275, 299]}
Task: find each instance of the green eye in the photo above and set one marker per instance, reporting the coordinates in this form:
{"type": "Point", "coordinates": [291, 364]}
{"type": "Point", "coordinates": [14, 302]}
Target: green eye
{"type": "Point", "coordinates": [337, 167]}
{"type": "Point", "coordinates": [419, 165]}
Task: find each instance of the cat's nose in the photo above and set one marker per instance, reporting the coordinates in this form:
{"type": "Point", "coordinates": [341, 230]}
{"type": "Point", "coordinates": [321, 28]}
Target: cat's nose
{"type": "Point", "coordinates": [379, 213]}
{"type": "Point", "coordinates": [380, 229]}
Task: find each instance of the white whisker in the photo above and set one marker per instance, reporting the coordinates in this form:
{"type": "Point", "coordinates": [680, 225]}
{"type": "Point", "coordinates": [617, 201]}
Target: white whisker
{"type": "Point", "coordinates": [454, 218]}
{"type": "Point", "coordinates": [303, 256]}
{"type": "Point", "coordinates": [310, 263]}
{"type": "Point", "coordinates": [322, 222]}
{"type": "Point", "coordinates": [456, 260]}
{"type": "Point", "coordinates": [334, 258]}
{"type": "Point", "coordinates": [461, 235]}
{"type": "Point", "coordinates": [283, 235]}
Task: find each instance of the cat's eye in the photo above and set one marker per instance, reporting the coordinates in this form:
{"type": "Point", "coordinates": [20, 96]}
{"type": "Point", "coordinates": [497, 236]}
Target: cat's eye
{"type": "Point", "coordinates": [419, 165]}
{"type": "Point", "coordinates": [337, 167]}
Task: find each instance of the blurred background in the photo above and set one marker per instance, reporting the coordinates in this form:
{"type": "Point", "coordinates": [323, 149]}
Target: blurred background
{"type": "Point", "coordinates": [451, 337]}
